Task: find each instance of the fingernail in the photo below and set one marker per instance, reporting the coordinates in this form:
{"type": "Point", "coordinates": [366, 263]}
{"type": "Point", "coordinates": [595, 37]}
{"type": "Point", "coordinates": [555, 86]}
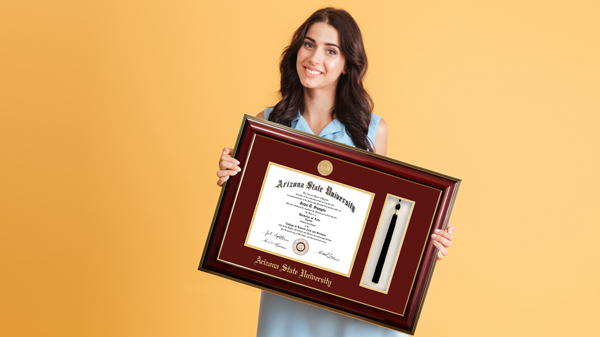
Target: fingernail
{"type": "Point", "coordinates": [237, 161]}
{"type": "Point", "coordinates": [437, 230]}
{"type": "Point", "coordinates": [234, 173]}
{"type": "Point", "coordinates": [238, 169]}
{"type": "Point", "coordinates": [433, 236]}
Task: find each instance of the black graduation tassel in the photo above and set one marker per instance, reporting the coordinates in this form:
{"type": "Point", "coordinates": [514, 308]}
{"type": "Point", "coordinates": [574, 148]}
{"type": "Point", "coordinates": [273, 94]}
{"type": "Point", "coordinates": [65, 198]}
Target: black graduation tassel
{"type": "Point", "coordinates": [386, 245]}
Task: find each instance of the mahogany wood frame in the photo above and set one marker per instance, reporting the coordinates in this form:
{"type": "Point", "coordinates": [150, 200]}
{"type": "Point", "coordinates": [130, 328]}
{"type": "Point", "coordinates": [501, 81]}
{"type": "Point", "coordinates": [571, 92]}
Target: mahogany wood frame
{"type": "Point", "coordinates": [251, 127]}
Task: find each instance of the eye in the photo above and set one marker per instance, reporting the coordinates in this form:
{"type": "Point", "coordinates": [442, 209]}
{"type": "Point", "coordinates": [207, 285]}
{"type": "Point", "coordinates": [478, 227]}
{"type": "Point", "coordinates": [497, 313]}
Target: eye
{"type": "Point", "coordinates": [308, 44]}
{"type": "Point", "coordinates": [331, 51]}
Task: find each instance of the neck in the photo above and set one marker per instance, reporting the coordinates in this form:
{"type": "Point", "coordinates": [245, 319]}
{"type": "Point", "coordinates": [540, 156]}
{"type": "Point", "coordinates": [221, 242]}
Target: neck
{"type": "Point", "coordinates": [318, 104]}
{"type": "Point", "coordinates": [318, 108]}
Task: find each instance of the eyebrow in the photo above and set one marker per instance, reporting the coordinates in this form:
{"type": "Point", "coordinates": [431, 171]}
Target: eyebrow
{"type": "Point", "coordinates": [326, 43]}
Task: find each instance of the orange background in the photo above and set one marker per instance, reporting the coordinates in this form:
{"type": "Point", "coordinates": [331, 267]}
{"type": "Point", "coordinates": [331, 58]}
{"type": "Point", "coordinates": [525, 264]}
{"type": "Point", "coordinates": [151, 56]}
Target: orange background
{"type": "Point", "coordinates": [113, 115]}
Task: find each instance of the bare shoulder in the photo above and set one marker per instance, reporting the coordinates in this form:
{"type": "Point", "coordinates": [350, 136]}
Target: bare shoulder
{"type": "Point", "coordinates": [382, 128]}
{"type": "Point", "coordinates": [381, 138]}
{"type": "Point", "coordinates": [261, 115]}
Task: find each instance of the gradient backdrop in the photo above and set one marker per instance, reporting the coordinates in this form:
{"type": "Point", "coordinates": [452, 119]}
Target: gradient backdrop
{"type": "Point", "coordinates": [113, 115]}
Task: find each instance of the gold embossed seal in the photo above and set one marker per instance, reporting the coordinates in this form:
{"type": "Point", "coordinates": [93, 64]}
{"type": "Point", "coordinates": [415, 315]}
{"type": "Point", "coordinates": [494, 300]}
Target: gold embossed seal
{"type": "Point", "coordinates": [325, 167]}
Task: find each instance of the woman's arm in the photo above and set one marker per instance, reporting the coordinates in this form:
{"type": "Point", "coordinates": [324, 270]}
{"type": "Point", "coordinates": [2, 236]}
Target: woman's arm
{"type": "Point", "coordinates": [381, 138]}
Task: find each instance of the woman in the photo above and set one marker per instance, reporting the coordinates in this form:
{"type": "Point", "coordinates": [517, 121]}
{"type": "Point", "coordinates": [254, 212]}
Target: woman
{"type": "Point", "coordinates": [322, 93]}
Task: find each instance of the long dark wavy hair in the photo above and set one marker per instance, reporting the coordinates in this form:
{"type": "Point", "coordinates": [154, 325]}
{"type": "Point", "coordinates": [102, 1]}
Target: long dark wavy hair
{"type": "Point", "coordinates": [353, 105]}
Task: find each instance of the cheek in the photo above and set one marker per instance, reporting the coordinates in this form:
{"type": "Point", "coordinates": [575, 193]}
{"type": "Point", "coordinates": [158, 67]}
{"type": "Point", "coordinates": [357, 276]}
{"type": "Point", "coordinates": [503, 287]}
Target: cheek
{"type": "Point", "coordinates": [301, 56]}
{"type": "Point", "coordinates": [298, 64]}
{"type": "Point", "coordinates": [337, 66]}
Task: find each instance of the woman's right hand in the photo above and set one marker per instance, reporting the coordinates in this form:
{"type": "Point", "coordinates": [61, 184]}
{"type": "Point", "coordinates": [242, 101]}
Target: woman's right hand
{"type": "Point", "coordinates": [228, 166]}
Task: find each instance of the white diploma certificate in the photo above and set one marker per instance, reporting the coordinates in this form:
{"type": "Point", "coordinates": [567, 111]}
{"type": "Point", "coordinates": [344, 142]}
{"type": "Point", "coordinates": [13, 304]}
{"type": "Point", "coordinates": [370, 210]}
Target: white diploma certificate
{"type": "Point", "coordinates": [309, 219]}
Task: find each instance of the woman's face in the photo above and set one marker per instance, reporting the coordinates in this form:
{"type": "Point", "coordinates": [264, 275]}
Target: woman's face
{"type": "Point", "coordinates": [320, 61]}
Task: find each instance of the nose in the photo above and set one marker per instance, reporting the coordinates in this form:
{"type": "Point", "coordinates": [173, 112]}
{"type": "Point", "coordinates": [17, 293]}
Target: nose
{"type": "Point", "coordinates": [316, 57]}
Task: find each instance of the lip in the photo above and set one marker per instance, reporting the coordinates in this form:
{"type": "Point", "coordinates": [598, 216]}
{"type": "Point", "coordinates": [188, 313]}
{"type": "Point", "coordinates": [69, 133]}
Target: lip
{"type": "Point", "coordinates": [313, 69]}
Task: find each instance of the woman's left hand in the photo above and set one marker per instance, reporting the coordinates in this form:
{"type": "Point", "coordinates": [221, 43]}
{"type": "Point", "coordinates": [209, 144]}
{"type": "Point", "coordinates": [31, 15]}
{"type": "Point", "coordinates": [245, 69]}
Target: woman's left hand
{"type": "Point", "coordinates": [442, 240]}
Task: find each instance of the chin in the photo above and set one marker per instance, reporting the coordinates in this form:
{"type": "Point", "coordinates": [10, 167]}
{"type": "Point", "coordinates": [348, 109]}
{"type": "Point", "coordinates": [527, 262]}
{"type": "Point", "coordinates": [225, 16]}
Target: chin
{"type": "Point", "coordinates": [309, 85]}
{"type": "Point", "coordinates": [305, 83]}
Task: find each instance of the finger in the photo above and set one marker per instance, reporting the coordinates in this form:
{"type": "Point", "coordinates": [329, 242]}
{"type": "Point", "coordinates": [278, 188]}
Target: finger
{"type": "Point", "coordinates": [229, 165]}
{"type": "Point", "coordinates": [224, 165]}
{"type": "Point", "coordinates": [445, 242]}
{"type": "Point", "coordinates": [222, 180]}
{"type": "Point", "coordinates": [450, 229]}
{"type": "Point", "coordinates": [226, 152]}
{"type": "Point", "coordinates": [445, 234]}
{"type": "Point", "coordinates": [226, 173]}
{"type": "Point", "coordinates": [229, 159]}
{"type": "Point", "coordinates": [229, 162]}
{"type": "Point", "coordinates": [440, 257]}
{"type": "Point", "coordinates": [440, 248]}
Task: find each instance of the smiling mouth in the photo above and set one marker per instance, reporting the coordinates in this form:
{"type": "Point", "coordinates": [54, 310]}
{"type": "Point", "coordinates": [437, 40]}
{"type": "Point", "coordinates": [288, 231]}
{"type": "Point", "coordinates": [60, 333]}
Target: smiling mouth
{"type": "Point", "coordinates": [312, 72]}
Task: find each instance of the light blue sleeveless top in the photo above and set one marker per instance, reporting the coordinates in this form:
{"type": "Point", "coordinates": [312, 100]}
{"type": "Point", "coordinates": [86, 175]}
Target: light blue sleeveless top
{"type": "Point", "coordinates": [283, 317]}
{"type": "Point", "coordinates": [334, 130]}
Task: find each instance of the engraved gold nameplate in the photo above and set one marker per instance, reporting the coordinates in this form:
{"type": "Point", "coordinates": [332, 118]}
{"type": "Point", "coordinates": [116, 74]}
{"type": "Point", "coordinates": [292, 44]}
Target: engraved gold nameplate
{"type": "Point", "coordinates": [325, 167]}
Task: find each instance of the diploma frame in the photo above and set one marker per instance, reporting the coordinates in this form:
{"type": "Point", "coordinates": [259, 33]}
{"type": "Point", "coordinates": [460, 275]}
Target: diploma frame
{"type": "Point", "coordinates": [261, 143]}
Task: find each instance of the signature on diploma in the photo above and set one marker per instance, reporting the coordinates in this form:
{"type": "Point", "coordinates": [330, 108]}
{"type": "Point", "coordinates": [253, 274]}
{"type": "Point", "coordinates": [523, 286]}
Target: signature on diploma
{"type": "Point", "coordinates": [328, 255]}
{"type": "Point", "coordinates": [276, 244]}
{"type": "Point", "coordinates": [276, 236]}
